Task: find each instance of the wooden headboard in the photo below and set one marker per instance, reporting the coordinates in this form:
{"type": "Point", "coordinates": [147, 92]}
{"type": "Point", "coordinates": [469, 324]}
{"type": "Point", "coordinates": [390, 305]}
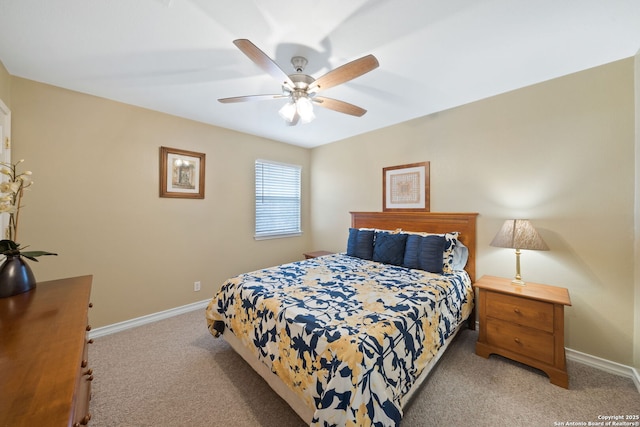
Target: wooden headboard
{"type": "Point", "coordinates": [432, 222]}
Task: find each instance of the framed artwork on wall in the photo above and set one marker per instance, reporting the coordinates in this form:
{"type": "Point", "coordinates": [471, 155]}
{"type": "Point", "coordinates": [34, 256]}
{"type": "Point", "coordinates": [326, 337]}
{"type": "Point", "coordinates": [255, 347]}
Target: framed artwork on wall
{"type": "Point", "coordinates": [181, 173]}
{"type": "Point", "coordinates": [406, 187]}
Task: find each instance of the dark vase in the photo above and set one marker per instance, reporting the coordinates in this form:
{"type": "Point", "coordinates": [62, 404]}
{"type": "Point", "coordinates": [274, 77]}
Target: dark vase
{"type": "Point", "coordinates": [15, 277]}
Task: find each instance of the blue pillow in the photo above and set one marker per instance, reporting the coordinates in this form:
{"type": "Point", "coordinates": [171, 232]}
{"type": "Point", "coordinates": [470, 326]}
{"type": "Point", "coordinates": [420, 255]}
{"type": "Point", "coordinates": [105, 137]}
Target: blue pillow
{"type": "Point", "coordinates": [424, 253]}
{"type": "Point", "coordinates": [411, 251]}
{"type": "Point", "coordinates": [431, 253]}
{"type": "Point", "coordinates": [360, 243]}
{"type": "Point", "coordinates": [389, 248]}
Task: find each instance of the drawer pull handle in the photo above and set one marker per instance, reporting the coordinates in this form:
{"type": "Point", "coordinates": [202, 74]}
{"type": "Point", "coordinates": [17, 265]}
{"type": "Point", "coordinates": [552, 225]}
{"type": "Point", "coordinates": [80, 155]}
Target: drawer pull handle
{"type": "Point", "coordinates": [516, 310]}
{"type": "Point", "coordinates": [90, 341]}
{"type": "Point", "coordinates": [84, 363]}
{"type": "Point", "coordinates": [90, 378]}
{"type": "Point", "coordinates": [517, 340]}
{"type": "Point", "coordinates": [88, 372]}
{"type": "Point", "coordinates": [88, 328]}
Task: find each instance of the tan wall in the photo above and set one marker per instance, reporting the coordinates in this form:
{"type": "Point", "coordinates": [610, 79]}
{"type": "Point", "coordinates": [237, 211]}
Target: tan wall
{"type": "Point", "coordinates": [95, 201]}
{"type": "Point", "coordinates": [560, 153]}
{"type": "Point", "coordinates": [5, 85]}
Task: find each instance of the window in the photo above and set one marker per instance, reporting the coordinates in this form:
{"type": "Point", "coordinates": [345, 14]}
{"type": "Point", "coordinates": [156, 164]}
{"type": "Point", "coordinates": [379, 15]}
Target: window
{"type": "Point", "coordinates": [277, 200]}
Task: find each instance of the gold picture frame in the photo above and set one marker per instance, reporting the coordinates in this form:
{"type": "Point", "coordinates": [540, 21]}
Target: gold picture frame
{"type": "Point", "coordinates": [406, 187]}
{"type": "Point", "coordinates": [181, 173]}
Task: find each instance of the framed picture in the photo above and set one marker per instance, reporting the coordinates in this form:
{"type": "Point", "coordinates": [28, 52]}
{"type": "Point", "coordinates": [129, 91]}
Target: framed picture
{"type": "Point", "coordinates": [406, 187]}
{"type": "Point", "coordinates": [181, 173]}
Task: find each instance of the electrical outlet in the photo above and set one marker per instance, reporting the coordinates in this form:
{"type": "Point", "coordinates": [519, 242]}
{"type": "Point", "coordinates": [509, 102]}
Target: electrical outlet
{"type": "Point", "coordinates": [196, 286]}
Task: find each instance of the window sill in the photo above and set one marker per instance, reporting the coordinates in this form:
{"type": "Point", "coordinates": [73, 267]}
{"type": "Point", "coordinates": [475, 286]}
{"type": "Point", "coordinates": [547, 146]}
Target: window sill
{"type": "Point", "coordinates": [276, 235]}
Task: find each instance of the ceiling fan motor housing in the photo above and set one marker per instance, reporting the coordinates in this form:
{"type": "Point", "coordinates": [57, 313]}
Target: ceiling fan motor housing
{"type": "Point", "coordinates": [301, 83]}
{"type": "Point", "coordinates": [299, 62]}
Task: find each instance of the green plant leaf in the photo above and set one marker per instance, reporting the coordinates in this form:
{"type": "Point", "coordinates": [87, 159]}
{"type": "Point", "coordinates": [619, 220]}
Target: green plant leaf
{"type": "Point", "coordinates": [33, 254]}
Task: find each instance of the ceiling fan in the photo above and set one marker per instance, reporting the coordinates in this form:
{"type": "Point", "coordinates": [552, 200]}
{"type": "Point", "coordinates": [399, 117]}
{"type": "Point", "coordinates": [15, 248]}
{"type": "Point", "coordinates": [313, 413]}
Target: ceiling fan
{"type": "Point", "coordinates": [302, 89]}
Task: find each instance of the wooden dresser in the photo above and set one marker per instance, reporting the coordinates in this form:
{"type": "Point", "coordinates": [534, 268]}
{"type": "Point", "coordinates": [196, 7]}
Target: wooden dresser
{"type": "Point", "coordinates": [44, 375]}
{"type": "Point", "coordinates": [523, 323]}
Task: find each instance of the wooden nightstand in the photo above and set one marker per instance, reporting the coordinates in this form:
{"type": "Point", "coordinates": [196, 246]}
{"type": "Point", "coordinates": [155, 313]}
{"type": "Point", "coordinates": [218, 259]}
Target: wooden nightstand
{"type": "Point", "coordinates": [523, 323]}
{"type": "Point", "coordinates": [316, 254]}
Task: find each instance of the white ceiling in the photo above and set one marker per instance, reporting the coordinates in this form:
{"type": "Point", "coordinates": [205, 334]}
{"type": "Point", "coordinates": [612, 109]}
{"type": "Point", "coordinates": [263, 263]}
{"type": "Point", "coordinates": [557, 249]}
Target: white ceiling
{"type": "Point", "coordinates": [177, 56]}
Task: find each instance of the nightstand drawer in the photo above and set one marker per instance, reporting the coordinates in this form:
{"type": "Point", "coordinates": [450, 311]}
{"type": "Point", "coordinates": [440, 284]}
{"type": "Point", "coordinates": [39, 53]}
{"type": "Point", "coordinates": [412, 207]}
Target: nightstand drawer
{"type": "Point", "coordinates": [522, 340]}
{"type": "Point", "coordinates": [526, 312]}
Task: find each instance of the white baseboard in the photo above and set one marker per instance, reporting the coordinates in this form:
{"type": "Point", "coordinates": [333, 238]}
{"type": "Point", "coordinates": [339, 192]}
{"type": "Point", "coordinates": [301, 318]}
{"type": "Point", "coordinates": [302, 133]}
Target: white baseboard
{"type": "Point", "coordinates": [586, 359]}
{"type": "Point", "coordinates": [605, 365]}
{"type": "Point", "coordinates": [139, 321]}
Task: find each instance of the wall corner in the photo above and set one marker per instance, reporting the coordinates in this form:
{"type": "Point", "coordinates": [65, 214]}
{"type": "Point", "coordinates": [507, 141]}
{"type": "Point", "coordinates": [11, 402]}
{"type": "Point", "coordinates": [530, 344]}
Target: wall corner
{"type": "Point", "coordinates": [636, 254]}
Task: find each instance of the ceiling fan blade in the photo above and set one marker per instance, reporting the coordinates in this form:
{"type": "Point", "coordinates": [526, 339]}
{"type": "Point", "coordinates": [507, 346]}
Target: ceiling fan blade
{"type": "Point", "coordinates": [250, 98]}
{"type": "Point", "coordinates": [263, 61]}
{"type": "Point", "coordinates": [339, 106]}
{"type": "Point", "coordinates": [344, 73]}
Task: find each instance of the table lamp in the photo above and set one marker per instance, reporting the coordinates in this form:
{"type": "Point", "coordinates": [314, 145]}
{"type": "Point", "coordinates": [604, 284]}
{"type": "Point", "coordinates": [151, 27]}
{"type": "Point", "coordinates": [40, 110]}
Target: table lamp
{"type": "Point", "coordinates": [519, 234]}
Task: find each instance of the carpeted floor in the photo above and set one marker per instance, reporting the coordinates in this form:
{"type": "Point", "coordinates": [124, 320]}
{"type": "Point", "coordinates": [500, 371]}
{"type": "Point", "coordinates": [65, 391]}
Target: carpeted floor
{"type": "Point", "coordinates": [174, 373]}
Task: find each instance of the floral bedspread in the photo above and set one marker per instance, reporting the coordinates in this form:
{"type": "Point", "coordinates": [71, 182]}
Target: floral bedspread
{"type": "Point", "coordinates": [349, 336]}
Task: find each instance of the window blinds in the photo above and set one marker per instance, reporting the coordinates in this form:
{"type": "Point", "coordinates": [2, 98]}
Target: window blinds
{"type": "Point", "coordinates": [277, 199]}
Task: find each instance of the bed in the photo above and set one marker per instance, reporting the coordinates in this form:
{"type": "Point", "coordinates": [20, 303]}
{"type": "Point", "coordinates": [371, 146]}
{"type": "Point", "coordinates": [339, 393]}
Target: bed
{"type": "Point", "coordinates": [348, 338]}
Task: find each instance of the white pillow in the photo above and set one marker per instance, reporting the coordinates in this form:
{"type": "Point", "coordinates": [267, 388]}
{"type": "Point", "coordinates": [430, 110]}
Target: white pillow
{"type": "Point", "coordinates": [460, 256]}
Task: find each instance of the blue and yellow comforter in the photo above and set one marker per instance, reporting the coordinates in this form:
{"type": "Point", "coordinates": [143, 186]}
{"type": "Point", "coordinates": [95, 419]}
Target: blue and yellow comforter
{"type": "Point", "coordinates": [349, 336]}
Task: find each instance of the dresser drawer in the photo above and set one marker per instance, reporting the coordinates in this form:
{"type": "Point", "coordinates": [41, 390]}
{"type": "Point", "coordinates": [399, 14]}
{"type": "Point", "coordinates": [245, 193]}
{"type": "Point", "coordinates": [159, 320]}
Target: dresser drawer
{"type": "Point", "coordinates": [81, 414]}
{"type": "Point", "coordinates": [526, 312]}
{"type": "Point", "coordinates": [519, 339]}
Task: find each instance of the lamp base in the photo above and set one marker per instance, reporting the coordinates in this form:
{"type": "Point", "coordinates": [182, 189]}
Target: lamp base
{"type": "Point", "coordinates": [518, 282]}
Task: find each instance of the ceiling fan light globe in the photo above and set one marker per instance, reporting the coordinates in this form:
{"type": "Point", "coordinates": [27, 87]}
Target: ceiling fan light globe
{"type": "Point", "coordinates": [288, 111]}
{"type": "Point", "coordinates": [305, 109]}
{"type": "Point", "coordinates": [307, 118]}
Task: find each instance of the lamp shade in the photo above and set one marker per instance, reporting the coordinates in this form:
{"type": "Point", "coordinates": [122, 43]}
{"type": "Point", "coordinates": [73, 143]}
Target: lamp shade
{"type": "Point", "coordinates": [519, 234]}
